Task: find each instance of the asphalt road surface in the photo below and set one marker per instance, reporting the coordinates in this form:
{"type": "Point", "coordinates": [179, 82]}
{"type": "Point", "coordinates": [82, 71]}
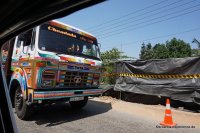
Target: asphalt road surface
{"type": "Point", "coordinates": [99, 116]}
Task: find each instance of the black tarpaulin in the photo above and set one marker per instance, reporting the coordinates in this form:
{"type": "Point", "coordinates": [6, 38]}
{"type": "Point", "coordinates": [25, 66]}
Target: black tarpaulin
{"type": "Point", "coordinates": [183, 89]}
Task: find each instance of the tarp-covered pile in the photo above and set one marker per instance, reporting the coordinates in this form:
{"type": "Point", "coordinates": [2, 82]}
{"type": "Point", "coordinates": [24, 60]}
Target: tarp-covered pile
{"type": "Point", "coordinates": [177, 78]}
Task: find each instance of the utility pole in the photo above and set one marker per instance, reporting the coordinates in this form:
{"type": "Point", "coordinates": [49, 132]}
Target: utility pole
{"type": "Point", "coordinates": [198, 44]}
{"type": "Point", "coordinates": [121, 48]}
{"type": "Point", "coordinates": [120, 93]}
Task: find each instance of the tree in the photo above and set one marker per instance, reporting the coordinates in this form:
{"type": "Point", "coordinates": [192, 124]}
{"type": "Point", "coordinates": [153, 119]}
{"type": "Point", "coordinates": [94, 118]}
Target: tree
{"type": "Point", "coordinates": [142, 51]}
{"type": "Point", "coordinates": [175, 48]}
{"type": "Point", "coordinates": [195, 52]}
{"type": "Point", "coordinates": [112, 55]}
{"type": "Point", "coordinates": [160, 51]}
{"type": "Point", "coordinates": [146, 52]}
{"type": "Point", "coordinates": [178, 48]}
{"type": "Point", "coordinates": [149, 52]}
{"type": "Point", "coordinates": [108, 58]}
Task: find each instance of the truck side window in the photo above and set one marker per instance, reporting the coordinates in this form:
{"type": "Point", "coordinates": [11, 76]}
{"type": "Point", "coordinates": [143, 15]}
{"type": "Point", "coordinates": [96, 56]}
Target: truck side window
{"type": "Point", "coordinates": [28, 41]}
{"type": "Point", "coordinates": [33, 40]}
{"type": "Point", "coordinates": [18, 44]}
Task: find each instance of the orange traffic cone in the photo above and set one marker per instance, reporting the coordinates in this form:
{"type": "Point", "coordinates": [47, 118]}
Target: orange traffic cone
{"type": "Point", "coordinates": [168, 116]}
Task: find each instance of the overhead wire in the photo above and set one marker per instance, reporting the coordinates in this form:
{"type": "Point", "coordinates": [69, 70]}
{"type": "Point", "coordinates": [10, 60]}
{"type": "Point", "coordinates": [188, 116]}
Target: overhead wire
{"type": "Point", "coordinates": [109, 34]}
{"type": "Point", "coordinates": [158, 37]}
{"type": "Point", "coordinates": [126, 21]}
{"type": "Point", "coordinates": [112, 20]}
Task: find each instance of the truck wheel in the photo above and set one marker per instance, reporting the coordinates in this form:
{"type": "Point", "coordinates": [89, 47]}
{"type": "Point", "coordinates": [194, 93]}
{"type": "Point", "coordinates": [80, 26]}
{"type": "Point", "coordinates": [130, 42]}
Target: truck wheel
{"type": "Point", "coordinates": [79, 104]}
{"type": "Point", "coordinates": [22, 109]}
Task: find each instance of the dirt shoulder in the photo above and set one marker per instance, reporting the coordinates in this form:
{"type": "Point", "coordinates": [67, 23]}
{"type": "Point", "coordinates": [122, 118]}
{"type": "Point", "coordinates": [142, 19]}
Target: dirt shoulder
{"type": "Point", "coordinates": [154, 112]}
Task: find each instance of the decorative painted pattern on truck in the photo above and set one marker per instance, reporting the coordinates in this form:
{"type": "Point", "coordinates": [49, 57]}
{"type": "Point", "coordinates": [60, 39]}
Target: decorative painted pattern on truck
{"type": "Point", "coordinates": [55, 58]}
{"type": "Point", "coordinates": [64, 94]}
{"type": "Point", "coordinates": [42, 72]}
{"type": "Point", "coordinates": [20, 76]}
{"type": "Point", "coordinates": [54, 23]}
{"type": "Point", "coordinates": [50, 62]}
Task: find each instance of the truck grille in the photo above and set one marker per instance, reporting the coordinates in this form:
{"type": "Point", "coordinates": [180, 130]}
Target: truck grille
{"type": "Point", "coordinates": [74, 79]}
{"type": "Point", "coordinates": [48, 74]}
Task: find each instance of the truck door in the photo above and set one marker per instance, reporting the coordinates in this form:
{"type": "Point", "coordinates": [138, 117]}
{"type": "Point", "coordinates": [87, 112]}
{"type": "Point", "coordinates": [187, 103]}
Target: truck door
{"type": "Point", "coordinates": [26, 47]}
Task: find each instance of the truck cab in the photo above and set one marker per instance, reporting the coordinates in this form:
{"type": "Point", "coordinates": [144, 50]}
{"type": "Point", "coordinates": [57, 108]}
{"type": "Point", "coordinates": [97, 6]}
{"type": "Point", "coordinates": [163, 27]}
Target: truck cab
{"type": "Point", "coordinates": [51, 62]}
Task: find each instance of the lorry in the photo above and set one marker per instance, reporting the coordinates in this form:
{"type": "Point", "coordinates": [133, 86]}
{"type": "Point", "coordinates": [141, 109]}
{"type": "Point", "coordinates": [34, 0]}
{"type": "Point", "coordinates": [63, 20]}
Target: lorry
{"type": "Point", "coordinates": [50, 63]}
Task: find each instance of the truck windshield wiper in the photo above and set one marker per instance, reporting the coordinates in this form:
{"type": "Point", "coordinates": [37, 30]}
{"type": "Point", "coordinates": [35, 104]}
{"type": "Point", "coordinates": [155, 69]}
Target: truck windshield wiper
{"type": "Point", "coordinates": [87, 56]}
{"type": "Point", "coordinates": [70, 52]}
{"type": "Point", "coordinates": [64, 53]}
{"type": "Point", "coordinates": [59, 53]}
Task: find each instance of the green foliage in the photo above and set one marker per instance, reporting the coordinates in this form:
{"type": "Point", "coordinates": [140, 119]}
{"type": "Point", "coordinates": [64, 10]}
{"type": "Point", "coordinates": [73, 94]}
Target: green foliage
{"type": "Point", "coordinates": [178, 48]}
{"type": "Point", "coordinates": [108, 58]}
{"type": "Point", "coordinates": [143, 51]}
{"type": "Point", "coordinates": [146, 52]}
{"type": "Point", "coordinates": [196, 52]}
{"type": "Point", "coordinates": [160, 51]}
{"type": "Point", "coordinates": [110, 55]}
{"type": "Point", "coordinates": [175, 48]}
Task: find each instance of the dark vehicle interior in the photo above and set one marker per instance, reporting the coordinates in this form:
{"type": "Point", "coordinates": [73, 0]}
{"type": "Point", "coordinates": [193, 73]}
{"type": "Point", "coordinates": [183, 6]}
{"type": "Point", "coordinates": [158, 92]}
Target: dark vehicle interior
{"type": "Point", "coordinates": [20, 16]}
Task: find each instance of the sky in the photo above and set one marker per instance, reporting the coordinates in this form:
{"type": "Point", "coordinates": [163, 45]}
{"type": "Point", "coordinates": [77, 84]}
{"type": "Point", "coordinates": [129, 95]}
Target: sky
{"type": "Point", "coordinates": [126, 24]}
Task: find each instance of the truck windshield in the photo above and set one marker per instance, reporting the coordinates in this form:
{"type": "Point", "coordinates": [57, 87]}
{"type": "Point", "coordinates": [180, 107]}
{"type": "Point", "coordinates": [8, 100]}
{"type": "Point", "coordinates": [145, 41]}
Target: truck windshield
{"type": "Point", "coordinates": [62, 41]}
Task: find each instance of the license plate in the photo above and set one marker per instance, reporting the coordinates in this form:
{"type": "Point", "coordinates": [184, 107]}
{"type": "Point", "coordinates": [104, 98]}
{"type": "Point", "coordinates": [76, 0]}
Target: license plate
{"type": "Point", "coordinates": [76, 98]}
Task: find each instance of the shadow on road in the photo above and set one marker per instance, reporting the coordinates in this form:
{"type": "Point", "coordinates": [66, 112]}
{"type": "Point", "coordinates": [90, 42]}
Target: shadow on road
{"type": "Point", "coordinates": [152, 100]}
{"type": "Point", "coordinates": [56, 114]}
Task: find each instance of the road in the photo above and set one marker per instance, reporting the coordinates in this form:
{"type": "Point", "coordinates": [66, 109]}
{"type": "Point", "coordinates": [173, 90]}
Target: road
{"type": "Point", "coordinates": [106, 115]}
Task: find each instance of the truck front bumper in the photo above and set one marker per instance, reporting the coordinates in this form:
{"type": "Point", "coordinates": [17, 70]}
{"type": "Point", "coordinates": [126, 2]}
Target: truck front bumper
{"type": "Point", "coordinates": [43, 95]}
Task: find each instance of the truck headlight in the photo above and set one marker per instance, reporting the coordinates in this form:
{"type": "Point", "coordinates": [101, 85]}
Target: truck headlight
{"type": "Point", "coordinates": [48, 78]}
{"type": "Point", "coordinates": [47, 83]}
{"type": "Point", "coordinates": [95, 83]}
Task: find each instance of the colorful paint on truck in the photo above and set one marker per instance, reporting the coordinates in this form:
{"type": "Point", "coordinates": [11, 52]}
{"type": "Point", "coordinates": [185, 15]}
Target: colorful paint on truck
{"type": "Point", "coordinates": [53, 61]}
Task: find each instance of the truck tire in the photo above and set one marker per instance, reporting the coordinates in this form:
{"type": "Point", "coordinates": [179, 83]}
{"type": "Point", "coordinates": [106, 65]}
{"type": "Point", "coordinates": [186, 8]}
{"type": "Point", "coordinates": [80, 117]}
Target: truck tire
{"type": "Point", "coordinates": [23, 111]}
{"type": "Point", "coordinates": [79, 104]}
